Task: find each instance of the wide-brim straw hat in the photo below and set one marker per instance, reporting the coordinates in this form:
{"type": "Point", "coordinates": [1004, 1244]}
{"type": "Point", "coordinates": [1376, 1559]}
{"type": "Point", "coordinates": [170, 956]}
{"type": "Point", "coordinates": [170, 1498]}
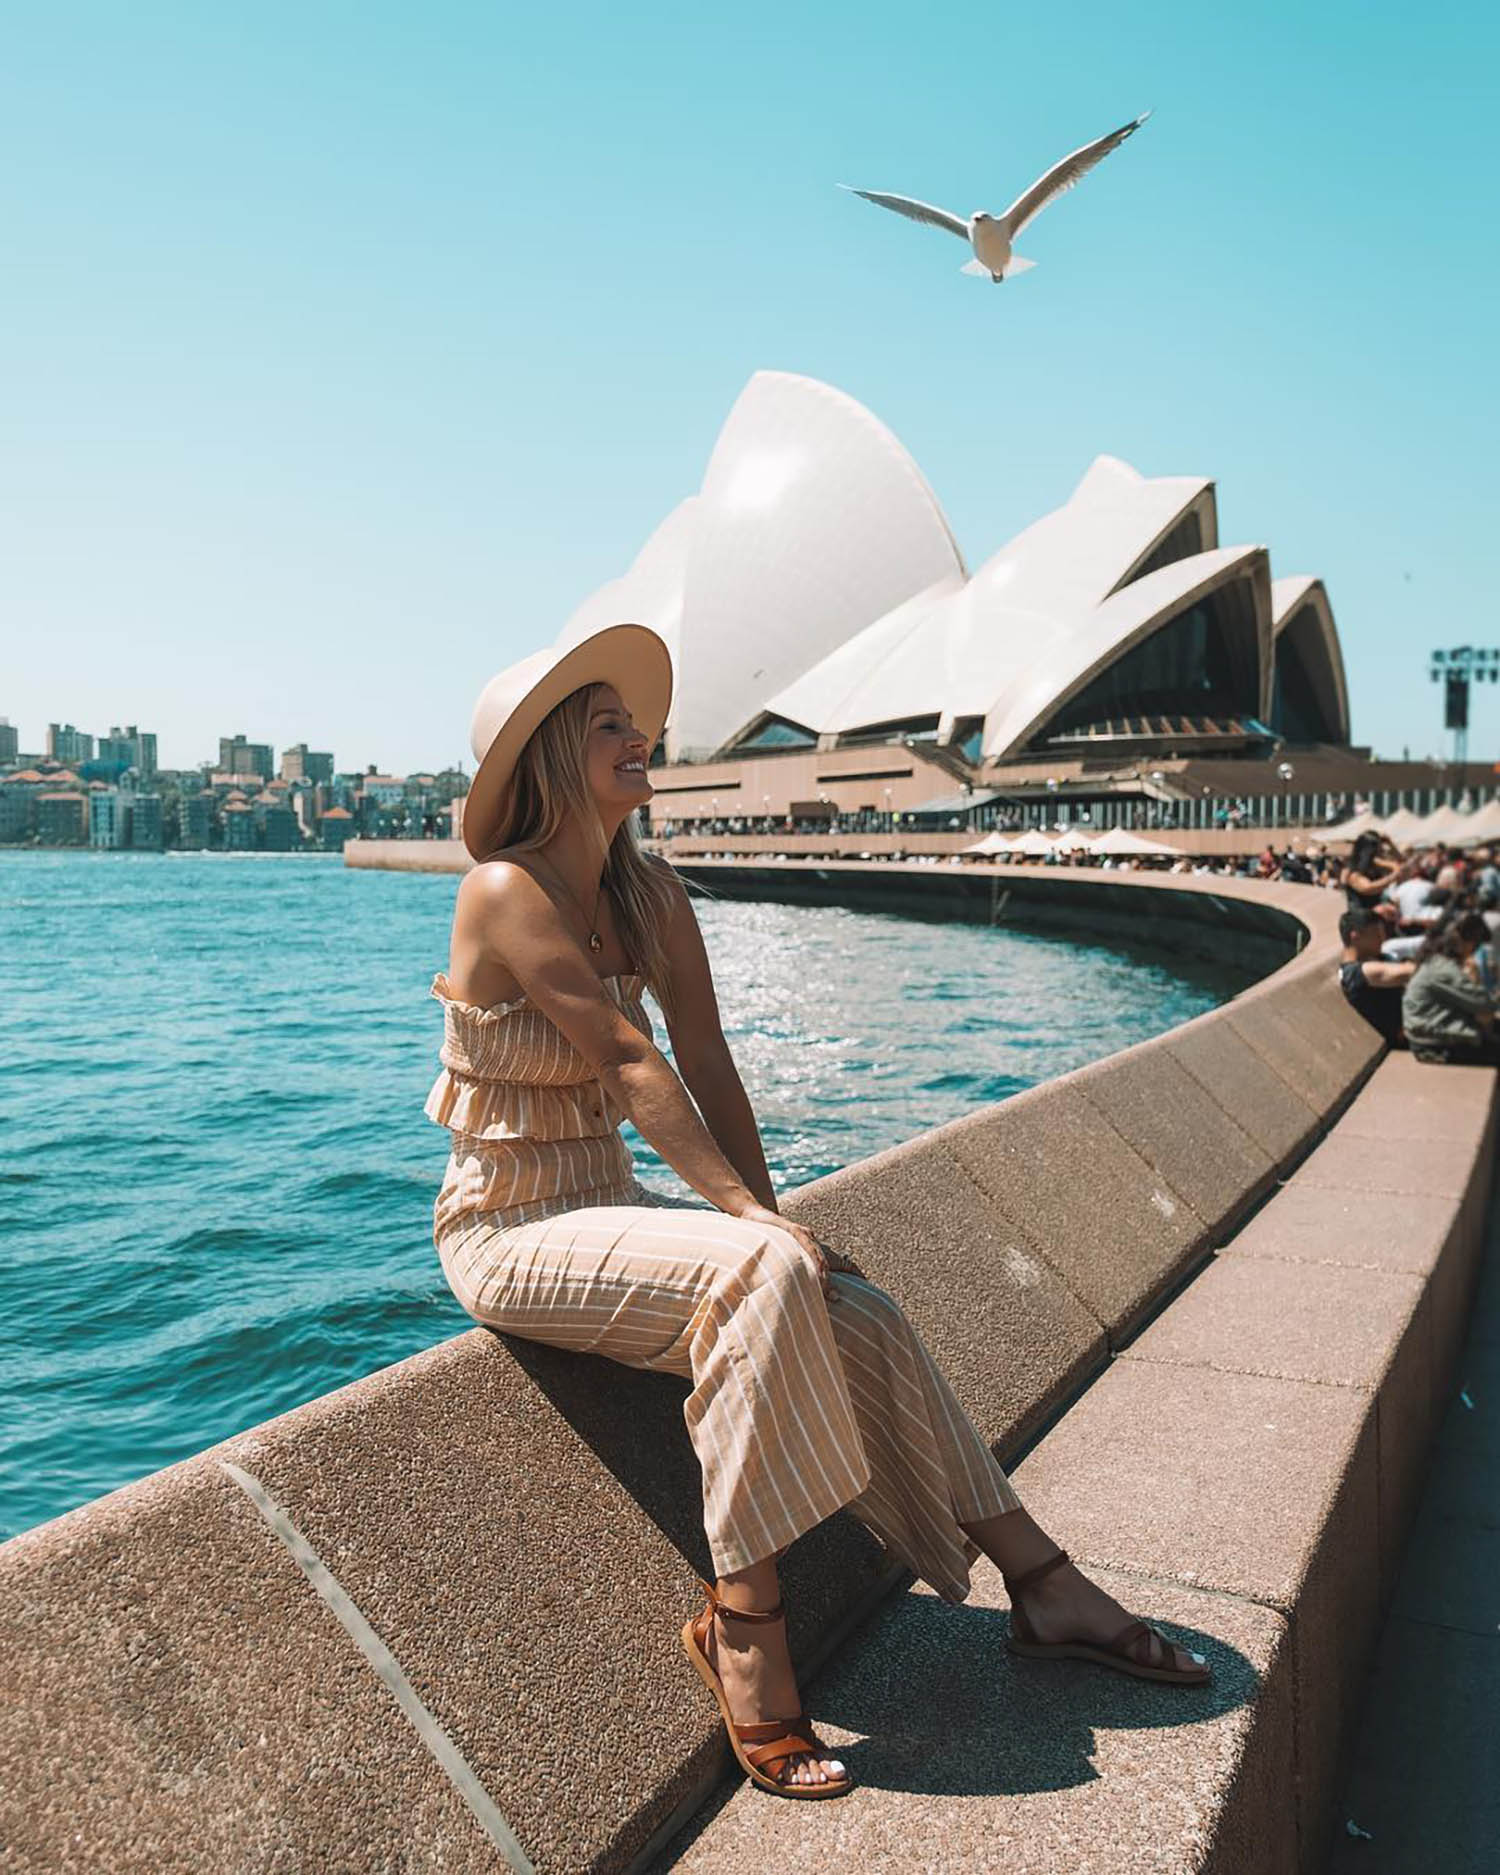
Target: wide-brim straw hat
{"type": "Point", "coordinates": [630, 657]}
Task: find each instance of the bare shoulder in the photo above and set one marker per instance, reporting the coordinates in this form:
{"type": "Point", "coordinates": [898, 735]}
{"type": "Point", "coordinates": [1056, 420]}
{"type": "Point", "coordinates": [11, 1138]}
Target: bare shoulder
{"type": "Point", "coordinates": [494, 882]}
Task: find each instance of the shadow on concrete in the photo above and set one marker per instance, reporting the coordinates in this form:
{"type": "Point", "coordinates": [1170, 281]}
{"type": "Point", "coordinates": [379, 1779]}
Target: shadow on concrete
{"type": "Point", "coordinates": [632, 1422]}
{"type": "Point", "coordinates": [930, 1705]}
{"type": "Point", "coordinates": [940, 1708]}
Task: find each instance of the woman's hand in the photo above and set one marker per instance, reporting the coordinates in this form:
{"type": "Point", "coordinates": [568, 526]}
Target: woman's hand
{"type": "Point", "coordinates": [827, 1260]}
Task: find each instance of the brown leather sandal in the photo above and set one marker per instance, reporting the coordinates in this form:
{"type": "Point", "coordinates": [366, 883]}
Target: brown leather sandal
{"type": "Point", "coordinates": [1119, 1652]}
{"type": "Point", "coordinates": [765, 1749]}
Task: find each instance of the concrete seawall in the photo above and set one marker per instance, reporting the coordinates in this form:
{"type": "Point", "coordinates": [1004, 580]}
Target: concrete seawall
{"type": "Point", "coordinates": [519, 1528]}
{"type": "Point", "coordinates": [1211, 918]}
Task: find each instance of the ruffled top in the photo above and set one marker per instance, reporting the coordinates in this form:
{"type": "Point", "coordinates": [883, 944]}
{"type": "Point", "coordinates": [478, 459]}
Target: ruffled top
{"type": "Point", "coordinates": [509, 1073]}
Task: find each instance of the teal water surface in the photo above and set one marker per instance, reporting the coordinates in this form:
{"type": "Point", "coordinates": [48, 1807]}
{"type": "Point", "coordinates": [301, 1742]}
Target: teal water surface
{"type": "Point", "coordinates": [216, 1180]}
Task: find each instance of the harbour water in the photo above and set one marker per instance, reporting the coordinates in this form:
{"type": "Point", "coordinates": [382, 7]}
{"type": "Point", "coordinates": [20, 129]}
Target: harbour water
{"type": "Point", "coordinates": [216, 1180]}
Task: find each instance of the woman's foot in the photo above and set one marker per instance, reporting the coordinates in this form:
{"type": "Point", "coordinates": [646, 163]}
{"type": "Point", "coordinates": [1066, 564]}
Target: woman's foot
{"type": "Point", "coordinates": [1062, 1606]}
{"type": "Point", "coordinates": [1054, 1605]}
{"type": "Point", "coordinates": [755, 1669]}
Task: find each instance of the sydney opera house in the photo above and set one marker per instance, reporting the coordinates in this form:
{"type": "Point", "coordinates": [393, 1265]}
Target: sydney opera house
{"type": "Point", "coordinates": [837, 656]}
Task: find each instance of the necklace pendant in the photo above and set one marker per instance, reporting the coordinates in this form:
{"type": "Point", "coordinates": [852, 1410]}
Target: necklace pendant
{"type": "Point", "coordinates": [596, 943]}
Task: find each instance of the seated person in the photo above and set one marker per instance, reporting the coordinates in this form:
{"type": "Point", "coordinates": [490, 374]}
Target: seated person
{"type": "Point", "coordinates": [1370, 984]}
{"type": "Point", "coordinates": [1418, 900]}
{"type": "Point", "coordinates": [1374, 866]}
{"type": "Point", "coordinates": [1407, 942]}
{"type": "Point", "coordinates": [1446, 1011]}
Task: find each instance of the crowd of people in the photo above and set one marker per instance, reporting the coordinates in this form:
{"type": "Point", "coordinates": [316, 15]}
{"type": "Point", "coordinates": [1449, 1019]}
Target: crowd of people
{"type": "Point", "coordinates": [1419, 959]}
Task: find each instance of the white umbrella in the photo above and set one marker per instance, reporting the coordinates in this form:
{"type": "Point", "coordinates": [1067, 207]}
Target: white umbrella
{"type": "Point", "coordinates": [1452, 828]}
{"type": "Point", "coordinates": [1120, 844]}
{"type": "Point", "coordinates": [1075, 841]}
{"type": "Point", "coordinates": [995, 842]}
{"type": "Point", "coordinates": [991, 236]}
{"type": "Point", "coordinates": [1404, 826]}
{"type": "Point", "coordinates": [1350, 829]}
{"type": "Point", "coordinates": [1484, 824]}
{"type": "Point", "coordinates": [1033, 844]}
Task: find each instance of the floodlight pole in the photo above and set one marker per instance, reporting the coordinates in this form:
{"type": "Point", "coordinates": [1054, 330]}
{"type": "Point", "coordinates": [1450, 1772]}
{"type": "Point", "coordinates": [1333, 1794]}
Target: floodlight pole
{"type": "Point", "coordinates": [1457, 670]}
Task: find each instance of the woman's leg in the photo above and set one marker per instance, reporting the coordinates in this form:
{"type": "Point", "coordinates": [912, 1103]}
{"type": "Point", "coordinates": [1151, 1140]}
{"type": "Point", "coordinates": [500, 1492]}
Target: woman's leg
{"type": "Point", "coordinates": [734, 1306]}
{"type": "Point", "coordinates": [739, 1309]}
{"type": "Point", "coordinates": [936, 1493]}
{"type": "Point", "coordinates": [931, 1474]}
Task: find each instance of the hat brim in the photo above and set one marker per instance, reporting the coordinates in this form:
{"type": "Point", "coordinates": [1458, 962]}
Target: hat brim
{"type": "Point", "coordinates": [631, 658]}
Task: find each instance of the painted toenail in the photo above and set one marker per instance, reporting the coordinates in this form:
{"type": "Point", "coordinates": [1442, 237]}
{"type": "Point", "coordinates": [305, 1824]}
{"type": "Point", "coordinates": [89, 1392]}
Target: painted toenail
{"type": "Point", "coordinates": [836, 1767]}
{"type": "Point", "coordinates": [1200, 1660]}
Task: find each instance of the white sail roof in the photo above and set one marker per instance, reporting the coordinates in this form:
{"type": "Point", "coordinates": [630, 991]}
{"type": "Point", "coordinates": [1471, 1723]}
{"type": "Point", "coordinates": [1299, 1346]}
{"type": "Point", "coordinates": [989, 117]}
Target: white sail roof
{"type": "Point", "coordinates": [951, 650]}
{"type": "Point", "coordinates": [1302, 621]}
{"type": "Point", "coordinates": [812, 520]}
{"type": "Point", "coordinates": [650, 593]}
{"type": "Point", "coordinates": [1063, 652]}
{"type": "Point", "coordinates": [815, 578]}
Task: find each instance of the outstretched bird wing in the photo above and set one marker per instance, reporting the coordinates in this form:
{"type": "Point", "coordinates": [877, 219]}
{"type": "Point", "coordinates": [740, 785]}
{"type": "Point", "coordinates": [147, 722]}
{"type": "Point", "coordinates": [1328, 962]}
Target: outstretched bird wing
{"type": "Point", "coordinates": [1062, 176]}
{"type": "Point", "coordinates": [915, 211]}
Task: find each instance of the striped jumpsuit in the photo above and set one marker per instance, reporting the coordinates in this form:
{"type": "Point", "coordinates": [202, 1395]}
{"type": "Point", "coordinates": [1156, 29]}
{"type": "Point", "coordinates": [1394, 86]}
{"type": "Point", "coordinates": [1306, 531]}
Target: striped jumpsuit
{"type": "Point", "coordinates": [799, 1406]}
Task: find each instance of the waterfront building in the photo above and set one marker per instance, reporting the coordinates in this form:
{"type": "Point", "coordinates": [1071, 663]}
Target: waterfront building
{"type": "Point", "coordinates": [242, 760]}
{"type": "Point", "coordinates": [10, 743]}
{"type": "Point", "coordinates": [299, 763]}
{"type": "Point", "coordinates": [278, 829]}
{"type": "Point", "coordinates": [132, 748]}
{"type": "Point", "coordinates": [383, 790]}
{"type": "Point", "coordinates": [61, 817]}
{"type": "Point", "coordinates": [67, 744]}
{"type": "Point", "coordinates": [18, 806]}
{"type": "Point", "coordinates": [335, 827]}
{"type": "Point", "coordinates": [147, 834]}
{"type": "Point", "coordinates": [195, 820]}
{"type": "Point", "coordinates": [109, 817]}
{"type": "Point", "coordinates": [239, 827]}
{"type": "Point", "coordinates": [840, 664]}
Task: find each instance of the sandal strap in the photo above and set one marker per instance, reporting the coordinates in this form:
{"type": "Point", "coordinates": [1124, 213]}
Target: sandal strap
{"type": "Point", "coordinates": [761, 1731]}
{"type": "Point", "coordinates": [1124, 1644]}
{"type": "Point", "coordinates": [742, 1614]}
{"type": "Point", "coordinates": [792, 1738]}
{"type": "Point", "coordinates": [1027, 1576]}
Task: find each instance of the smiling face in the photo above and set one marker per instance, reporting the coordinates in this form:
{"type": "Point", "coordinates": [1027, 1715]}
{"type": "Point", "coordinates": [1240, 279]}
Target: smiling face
{"type": "Point", "coordinates": [615, 752]}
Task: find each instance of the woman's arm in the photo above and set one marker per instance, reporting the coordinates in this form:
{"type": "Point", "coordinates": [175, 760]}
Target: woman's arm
{"type": "Point", "coordinates": [504, 913]}
{"type": "Point", "coordinates": [702, 1054]}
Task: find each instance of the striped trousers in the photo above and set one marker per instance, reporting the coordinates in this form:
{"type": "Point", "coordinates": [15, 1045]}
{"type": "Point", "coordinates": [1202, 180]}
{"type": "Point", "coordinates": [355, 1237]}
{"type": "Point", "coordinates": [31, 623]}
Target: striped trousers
{"type": "Point", "coordinates": [800, 1406]}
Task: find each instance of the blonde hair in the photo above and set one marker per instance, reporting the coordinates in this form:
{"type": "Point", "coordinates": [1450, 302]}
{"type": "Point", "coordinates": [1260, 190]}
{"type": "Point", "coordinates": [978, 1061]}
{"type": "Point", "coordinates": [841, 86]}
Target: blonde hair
{"type": "Point", "coordinates": [548, 787]}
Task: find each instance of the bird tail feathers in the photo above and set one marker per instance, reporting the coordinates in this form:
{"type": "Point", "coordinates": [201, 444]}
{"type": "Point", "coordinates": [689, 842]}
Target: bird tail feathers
{"type": "Point", "coordinates": [976, 267]}
{"type": "Point", "coordinates": [1015, 265]}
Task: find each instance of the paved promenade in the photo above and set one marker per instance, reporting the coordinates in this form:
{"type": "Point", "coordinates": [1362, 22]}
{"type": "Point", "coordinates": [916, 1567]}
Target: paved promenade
{"type": "Point", "coordinates": [1424, 1779]}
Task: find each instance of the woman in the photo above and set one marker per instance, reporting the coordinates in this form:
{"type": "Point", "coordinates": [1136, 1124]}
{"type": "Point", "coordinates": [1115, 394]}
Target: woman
{"type": "Point", "coordinates": [1375, 865]}
{"type": "Point", "coordinates": [1447, 1012]}
{"type": "Point", "coordinates": [811, 1391]}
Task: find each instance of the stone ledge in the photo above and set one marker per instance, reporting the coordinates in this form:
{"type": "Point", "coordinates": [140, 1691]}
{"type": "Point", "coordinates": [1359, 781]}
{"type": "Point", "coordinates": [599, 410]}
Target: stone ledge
{"type": "Point", "coordinates": [1237, 1452]}
{"type": "Point", "coordinates": [971, 1760]}
{"type": "Point", "coordinates": [521, 1527]}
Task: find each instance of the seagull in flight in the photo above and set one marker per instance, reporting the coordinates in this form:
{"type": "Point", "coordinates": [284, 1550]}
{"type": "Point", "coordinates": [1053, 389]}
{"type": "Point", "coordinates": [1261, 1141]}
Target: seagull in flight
{"type": "Point", "coordinates": [991, 236]}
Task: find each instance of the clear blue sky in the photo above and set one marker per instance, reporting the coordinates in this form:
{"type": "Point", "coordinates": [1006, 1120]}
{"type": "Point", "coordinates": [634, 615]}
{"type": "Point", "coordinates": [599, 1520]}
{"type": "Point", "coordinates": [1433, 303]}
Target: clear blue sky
{"type": "Point", "coordinates": [345, 348]}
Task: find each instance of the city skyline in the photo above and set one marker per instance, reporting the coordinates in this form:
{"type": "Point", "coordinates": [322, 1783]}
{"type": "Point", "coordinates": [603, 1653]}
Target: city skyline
{"type": "Point", "coordinates": [339, 380]}
{"type": "Point", "coordinates": [14, 748]}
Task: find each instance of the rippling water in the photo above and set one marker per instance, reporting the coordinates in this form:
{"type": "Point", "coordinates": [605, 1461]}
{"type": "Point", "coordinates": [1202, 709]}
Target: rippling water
{"type": "Point", "coordinates": [216, 1181]}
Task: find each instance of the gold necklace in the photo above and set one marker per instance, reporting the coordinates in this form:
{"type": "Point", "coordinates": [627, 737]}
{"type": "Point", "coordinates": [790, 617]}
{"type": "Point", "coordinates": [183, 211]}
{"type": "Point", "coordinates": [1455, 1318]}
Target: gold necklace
{"type": "Point", "coordinates": [596, 943]}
